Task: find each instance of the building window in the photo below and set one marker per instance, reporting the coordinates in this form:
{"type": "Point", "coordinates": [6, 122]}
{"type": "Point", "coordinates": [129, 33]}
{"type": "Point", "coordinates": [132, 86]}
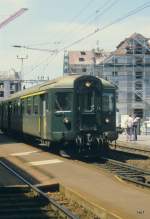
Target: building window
{"type": "Point", "coordinates": [138, 75]}
{"type": "Point", "coordinates": [138, 112]}
{"type": "Point", "coordinates": [114, 59]}
{"type": "Point", "coordinates": [83, 53]}
{"type": "Point", "coordinates": [73, 70]}
{"type": "Point", "coordinates": [138, 98]}
{"type": "Point", "coordinates": [81, 59]}
{"type": "Point", "coordinates": [1, 93]}
{"type": "Point", "coordinates": [12, 86]}
{"type": "Point", "coordinates": [1, 85]}
{"type": "Point", "coordinates": [12, 92]}
{"type": "Point", "coordinates": [139, 61]}
{"type": "Point", "coordinates": [83, 69]}
{"type": "Point", "coordinates": [115, 73]}
{"type": "Point", "coordinates": [138, 85]}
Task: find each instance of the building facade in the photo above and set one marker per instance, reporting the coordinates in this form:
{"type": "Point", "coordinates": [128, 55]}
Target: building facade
{"type": "Point", "coordinates": [9, 84]}
{"type": "Point", "coordinates": [82, 62]}
{"type": "Point", "coordinates": [128, 67]}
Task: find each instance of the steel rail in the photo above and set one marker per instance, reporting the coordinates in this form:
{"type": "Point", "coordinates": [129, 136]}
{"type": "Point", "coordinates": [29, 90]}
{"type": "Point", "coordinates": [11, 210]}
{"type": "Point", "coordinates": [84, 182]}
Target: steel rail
{"type": "Point", "coordinates": [130, 149]}
{"type": "Point", "coordinates": [126, 172]}
{"type": "Point", "coordinates": [66, 212]}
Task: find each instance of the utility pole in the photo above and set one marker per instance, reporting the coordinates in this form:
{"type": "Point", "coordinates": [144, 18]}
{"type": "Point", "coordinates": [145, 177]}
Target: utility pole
{"type": "Point", "coordinates": [21, 68]}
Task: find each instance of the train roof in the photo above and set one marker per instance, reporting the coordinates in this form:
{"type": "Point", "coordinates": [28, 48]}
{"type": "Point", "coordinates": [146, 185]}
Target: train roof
{"type": "Point", "coordinates": [61, 82]}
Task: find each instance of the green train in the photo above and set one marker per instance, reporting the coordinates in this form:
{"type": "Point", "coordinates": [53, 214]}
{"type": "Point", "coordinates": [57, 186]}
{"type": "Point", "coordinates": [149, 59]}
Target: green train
{"type": "Point", "coordinates": [74, 113]}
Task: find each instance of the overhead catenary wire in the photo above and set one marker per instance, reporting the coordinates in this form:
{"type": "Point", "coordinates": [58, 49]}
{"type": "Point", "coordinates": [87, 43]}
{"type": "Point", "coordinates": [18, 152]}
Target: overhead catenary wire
{"type": "Point", "coordinates": [128, 14]}
{"type": "Point", "coordinates": [99, 11]}
{"type": "Point", "coordinates": [104, 8]}
{"type": "Point", "coordinates": [102, 11]}
{"type": "Point", "coordinates": [73, 19]}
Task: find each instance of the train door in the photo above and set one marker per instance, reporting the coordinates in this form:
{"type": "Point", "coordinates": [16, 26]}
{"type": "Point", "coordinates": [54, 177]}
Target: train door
{"type": "Point", "coordinates": [42, 119]}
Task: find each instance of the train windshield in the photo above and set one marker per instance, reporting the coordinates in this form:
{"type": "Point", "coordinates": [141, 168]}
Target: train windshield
{"type": "Point", "coordinates": [63, 101]}
{"type": "Point", "coordinates": [88, 101]}
{"type": "Point", "coordinates": [108, 102]}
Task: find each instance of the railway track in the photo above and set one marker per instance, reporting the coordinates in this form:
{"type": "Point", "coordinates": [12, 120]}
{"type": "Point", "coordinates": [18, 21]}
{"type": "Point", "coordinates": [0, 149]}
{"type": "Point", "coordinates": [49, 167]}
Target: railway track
{"type": "Point", "coordinates": [130, 149]}
{"type": "Point", "coordinates": [125, 171]}
{"type": "Point", "coordinates": [29, 202]}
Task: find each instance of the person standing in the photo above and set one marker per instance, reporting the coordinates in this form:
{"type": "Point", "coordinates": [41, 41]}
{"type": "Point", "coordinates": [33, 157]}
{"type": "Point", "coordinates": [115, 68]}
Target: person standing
{"type": "Point", "coordinates": [135, 125]}
{"type": "Point", "coordinates": [129, 124]}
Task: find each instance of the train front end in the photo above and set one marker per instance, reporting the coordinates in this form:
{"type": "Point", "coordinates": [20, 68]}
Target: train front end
{"type": "Point", "coordinates": [94, 124]}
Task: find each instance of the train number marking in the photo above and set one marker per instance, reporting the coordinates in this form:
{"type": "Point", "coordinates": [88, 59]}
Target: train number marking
{"type": "Point", "coordinates": [44, 162]}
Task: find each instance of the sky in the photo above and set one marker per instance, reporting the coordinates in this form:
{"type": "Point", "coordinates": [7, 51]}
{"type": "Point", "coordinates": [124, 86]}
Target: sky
{"type": "Point", "coordinates": [57, 25]}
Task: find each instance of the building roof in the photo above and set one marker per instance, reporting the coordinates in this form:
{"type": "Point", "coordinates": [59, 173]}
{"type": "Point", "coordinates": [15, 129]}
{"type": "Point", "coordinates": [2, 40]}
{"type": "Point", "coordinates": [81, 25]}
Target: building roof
{"type": "Point", "coordinates": [137, 38]}
{"type": "Point", "coordinates": [135, 41]}
{"type": "Point", "coordinates": [134, 36]}
{"type": "Point", "coordinates": [61, 82]}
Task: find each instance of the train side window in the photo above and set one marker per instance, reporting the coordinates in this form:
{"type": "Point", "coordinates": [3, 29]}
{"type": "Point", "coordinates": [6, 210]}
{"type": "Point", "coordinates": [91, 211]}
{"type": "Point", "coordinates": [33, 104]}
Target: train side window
{"type": "Point", "coordinates": [35, 105]}
{"type": "Point", "coordinates": [6, 110]}
{"type": "Point", "coordinates": [29, 105]}
{"type": "Point", "coordinates": [18, 107]}
{"type": "Point", "coordinates": [63, 101]}
{"type": "Point", "coordinates": [108, 102]}
{"type": "Point", "coordinates": [15, 108]}
{"type": "Point", "coordinates": [47, 104]}
{"type": "Point", "coordinates": [22, 106]}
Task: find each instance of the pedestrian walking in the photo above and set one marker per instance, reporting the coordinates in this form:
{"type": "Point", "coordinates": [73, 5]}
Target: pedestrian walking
{"type": "Point", "coordinates": [129, 125]}
{"type": "Point", "coordinates": [135, 125]}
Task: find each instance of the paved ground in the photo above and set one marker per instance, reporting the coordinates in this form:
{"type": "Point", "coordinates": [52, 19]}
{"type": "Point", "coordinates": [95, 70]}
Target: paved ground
{"type": "Point", "coordinates": [142, 140]}
{"type": "Point", "coordinates": [122, 199]}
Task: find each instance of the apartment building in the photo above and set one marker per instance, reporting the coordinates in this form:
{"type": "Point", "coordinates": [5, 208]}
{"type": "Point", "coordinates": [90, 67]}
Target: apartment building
{"type": "Point", "coordinates": [9, 84]}
{"type": "Point", "coordinates": [128, 67]}
{"type": "Point", "coordinates": [82, 62]}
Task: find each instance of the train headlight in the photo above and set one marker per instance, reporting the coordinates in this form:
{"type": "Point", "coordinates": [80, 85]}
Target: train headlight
{"type": "Point", "coordinates": [107, 120]}
{"type": "Point", "coordinates": [87, 84]}
{"type": "Point", "coordinates": [66, 120]}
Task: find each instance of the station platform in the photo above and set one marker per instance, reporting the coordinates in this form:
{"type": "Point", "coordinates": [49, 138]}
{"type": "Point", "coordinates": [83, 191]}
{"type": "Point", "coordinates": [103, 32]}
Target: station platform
{"type": "Point", "coordinates": [143, 140]}
{"type": "Point", "coordinates": [108, 192]}
{"type": "Point", "coordinates": [140, 147]}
